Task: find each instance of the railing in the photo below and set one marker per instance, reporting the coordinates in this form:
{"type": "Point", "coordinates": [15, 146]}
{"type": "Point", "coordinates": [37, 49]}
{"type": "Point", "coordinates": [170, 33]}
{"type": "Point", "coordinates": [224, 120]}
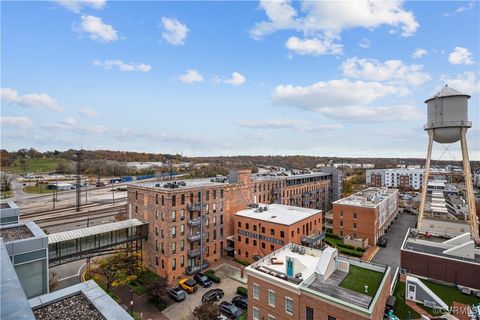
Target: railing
{"type": "Point", "coordinates": [195, 237]}
{"type": "Point", "coordinates": [442, 124]}
{"type": "Point", "coordinates": [194, 206]}
{"type": "Point", "coordinates": [193, 253]}
{"type": "Point", "coordinates": [195, 269]}
{"type": "Point", "coordinates": [194, 222]}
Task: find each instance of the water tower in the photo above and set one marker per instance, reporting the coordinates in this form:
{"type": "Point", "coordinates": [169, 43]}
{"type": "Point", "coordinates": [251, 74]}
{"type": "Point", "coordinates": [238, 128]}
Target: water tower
{"type": "Point", "coordinates": [447, 122]}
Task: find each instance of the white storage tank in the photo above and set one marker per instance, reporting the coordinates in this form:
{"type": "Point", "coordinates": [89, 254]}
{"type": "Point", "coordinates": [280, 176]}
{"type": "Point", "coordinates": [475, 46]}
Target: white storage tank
{"type": "Point", "coordinates": [447, 115]}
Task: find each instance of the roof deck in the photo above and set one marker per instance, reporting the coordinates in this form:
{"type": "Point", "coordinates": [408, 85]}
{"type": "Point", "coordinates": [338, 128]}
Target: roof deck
{"type": "Point", "coordinates": [371, 197]}
{"type": "Point", "coordinates": [324, 273]}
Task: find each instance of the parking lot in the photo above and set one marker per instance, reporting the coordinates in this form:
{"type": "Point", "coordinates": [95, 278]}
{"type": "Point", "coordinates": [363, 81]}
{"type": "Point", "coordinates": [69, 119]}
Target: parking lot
{"type": "Point", "coordinates": [395, 236]}
{"type": "Point", "coordinates": [182, 310]}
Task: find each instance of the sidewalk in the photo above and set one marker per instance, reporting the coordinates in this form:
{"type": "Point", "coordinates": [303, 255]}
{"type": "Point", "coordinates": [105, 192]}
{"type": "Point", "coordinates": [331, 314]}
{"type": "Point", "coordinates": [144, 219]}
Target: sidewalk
{"type": "Point", "coordinates": [370, 253]}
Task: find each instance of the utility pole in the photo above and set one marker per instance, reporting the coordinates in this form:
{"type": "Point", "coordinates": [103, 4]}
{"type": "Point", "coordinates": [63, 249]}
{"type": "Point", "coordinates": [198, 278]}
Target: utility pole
{"type": "Point", "coordinates": [86, 190]}
{"type": "Point", "coordinates": [113, 195]}
{"type": "Point", "coordinates": [78, 160]}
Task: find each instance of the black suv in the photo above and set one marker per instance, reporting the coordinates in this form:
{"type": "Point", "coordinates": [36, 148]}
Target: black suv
{"type": "Point", "coordinates": [229, 310]}
{"type": "Point", "coordinates": [202, 280]}
{"type": "Point", "coordinates": [213, 295]}
{"type": "Point", "coordinates": [382, 242]}
{"type": "Point", "coordinates": [177, 294]}
{"type": "Point", "coordinates": [240, 302]}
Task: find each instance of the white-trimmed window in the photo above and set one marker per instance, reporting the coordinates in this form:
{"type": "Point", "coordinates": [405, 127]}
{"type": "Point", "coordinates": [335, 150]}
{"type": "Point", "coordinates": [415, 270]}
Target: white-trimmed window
{"type": "Point", "coordinates": [256, 314]}
{"type": "Point", "coordinates": [289, 305]}
{"type": "Point", "coordinates": [271, 298]}
{"type": "Point", "coordinates": [256, 291]}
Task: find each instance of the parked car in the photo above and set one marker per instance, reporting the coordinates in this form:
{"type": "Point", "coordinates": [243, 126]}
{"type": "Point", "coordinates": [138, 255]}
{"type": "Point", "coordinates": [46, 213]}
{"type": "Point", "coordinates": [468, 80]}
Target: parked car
{"type": "Point", "coordinates": [382, 242]}
{"type": "Point", "coordinates": [100, 184]}
{"type": "Point", "coordinates": [189, 285]}
{"type": "Point", "coordinates": [213, 295]}
{"type": "Point", "coordinates": [240, 302]}
{"type": "Point", "coordinates": [177, 294]}
{"type": "Point", "coordinates": [202, 280]}
{"type": "Point", "coordinates": [229, 310]}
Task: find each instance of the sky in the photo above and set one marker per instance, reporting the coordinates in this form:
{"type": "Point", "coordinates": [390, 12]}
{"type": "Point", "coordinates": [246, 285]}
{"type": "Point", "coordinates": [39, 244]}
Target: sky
{"type": "Point", "coordinates": [204, 78]}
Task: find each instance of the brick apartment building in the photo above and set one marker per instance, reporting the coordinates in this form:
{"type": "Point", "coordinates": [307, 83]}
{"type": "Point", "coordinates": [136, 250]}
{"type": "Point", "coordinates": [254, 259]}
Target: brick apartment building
{"type": "Point", "coordinates": [366, 214]}
{"type": "Point", "coordinates": [185, 214]}
{"type": "Point", "coordinates": [261, 230]}
{"type": "Point", "coordinates": [296, 282]}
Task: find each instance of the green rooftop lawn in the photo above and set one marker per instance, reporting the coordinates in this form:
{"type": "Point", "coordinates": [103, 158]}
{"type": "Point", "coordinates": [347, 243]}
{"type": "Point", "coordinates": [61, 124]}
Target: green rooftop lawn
{"type": "Point", "coordinates": [402, 311]}
{"type": "Point", "coordinates": [358, 278]}
{"type": "Point", "coordinates": [450, 294]}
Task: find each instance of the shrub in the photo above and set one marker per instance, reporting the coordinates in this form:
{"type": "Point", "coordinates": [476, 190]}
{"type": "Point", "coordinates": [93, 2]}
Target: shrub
{"type": "Point", "coordinates": [332, 235]}
{"type": "Point", "coordinates": [351, 252]}
{"type": "Point", "coordinates": [242, 291]}
{"type": "Point", "coordinates": [242, 261]}
{"type": "Point", "coordinates": [360, 249]}
{"type": "Point", "coordinates": [210, 274]}
{"type": "Point", "coordinates": [346, 246]}
{"type": "Point", "coordinates": [329, 242]}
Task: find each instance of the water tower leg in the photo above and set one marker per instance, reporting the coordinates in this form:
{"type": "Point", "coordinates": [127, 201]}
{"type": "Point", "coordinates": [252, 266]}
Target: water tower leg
{"type": "Point", "coordinates": [467, 173]}
{"type": "Point", "coordinates": [423, 195]}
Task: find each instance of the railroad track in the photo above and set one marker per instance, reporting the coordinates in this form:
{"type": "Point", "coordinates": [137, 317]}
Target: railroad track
{"type": "Point", "coordinates": [47, 223]}
{"type": "Point", "coordinates": [68, 211]}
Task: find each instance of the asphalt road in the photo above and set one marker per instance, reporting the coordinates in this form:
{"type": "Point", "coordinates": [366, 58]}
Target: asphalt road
{"type": "Point", "coordinates": [391, 254]}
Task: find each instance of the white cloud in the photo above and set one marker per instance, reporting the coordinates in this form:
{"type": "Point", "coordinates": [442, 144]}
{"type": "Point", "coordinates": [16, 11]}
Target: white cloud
{"type": "Point", "coordinates": [97, 29]}
{"type": "Point", "coordinates": [174, 32]}
{"type": "Point", "coordinates": [191, 76]}
{"type": "Point", "coordinates": [96, 129]}
{"type": "Point", "coordinates": [313, 46]}
{"type": "Point", "coordinates": [330, 18]}
{"type": "Point", "coordinates": [17, 122]}
{"type": "Point", "coordinates": [365, 43]}
{"type": "Point", "coordinates": [345, 99]}
{"type": "Point", "coordinates": [418, 53]}
{"type": "Point", "coordinates": [31, 100]}
{"type": "Point", "coordinates": [88, 112]}
{"type": "Point", "coordinates": [273, 124]}
{"type": "Point", "coordinates": [69, 121]}
{"type": "Point", "coordinates": [461, 9]}
{"type": "Point", "coordinates": [236, 79]}
{"type": "Point", "coordinates": [77, 5]}
{"type": "Point", "coordinates": [389, 70]}
{"type": "Point", "coordinates": [460, 56]}
{"type": "Point", "coordinates": [122, 66]}
{"type": "Point", "coordinates": [466, 82]}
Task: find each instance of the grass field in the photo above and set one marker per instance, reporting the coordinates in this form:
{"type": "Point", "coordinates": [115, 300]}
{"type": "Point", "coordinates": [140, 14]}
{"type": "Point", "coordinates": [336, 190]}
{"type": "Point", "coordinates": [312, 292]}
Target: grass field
{"type": "Point", "coordinates": [6, 194]}
{"type": "Point", "coordinates": [41, 188]}
{"type": "Point", "coordinates": [401, 309]}
{"type": "Point", "coordinates": [358, 278]}
{"type": "Point", "coordinates": [33, 165]}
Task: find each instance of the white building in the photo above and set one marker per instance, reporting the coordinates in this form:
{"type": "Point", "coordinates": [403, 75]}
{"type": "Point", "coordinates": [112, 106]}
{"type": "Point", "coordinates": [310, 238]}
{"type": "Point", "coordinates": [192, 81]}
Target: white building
{"type": "Point", "coordinates": [395, 178]}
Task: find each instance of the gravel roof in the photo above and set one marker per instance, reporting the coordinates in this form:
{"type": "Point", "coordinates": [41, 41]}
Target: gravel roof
{"type": "Point", "coordinates": [76, 307]}
{"type": "Point", "coordinates": [15, 233]}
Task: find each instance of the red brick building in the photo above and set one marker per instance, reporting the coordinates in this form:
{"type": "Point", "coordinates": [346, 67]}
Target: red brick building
{"type": "Point", "coordinates": [261, 230]}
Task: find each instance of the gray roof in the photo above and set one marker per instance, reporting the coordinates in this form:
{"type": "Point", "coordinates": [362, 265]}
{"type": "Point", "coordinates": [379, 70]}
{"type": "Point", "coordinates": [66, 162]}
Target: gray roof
{"type": "Point", "coordinates": [90, 231]}
{"type": "Point", "coordinates": [447, 92]}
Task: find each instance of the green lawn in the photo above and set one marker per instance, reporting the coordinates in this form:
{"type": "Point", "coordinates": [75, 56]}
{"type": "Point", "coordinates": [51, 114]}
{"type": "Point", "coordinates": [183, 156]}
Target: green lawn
{"type": "Point", "coordinates": [401, 309]}
{"type": "Point", "coordinates": [41, 188]}
{"type": "Point", "coordinates": [6, 194]}
{"type": "Point", "coordinates": [358, 278]}
{"type": "Point", "coordinates": [450, 294]}
{"type": "Point", "coordinates": [33, 165]}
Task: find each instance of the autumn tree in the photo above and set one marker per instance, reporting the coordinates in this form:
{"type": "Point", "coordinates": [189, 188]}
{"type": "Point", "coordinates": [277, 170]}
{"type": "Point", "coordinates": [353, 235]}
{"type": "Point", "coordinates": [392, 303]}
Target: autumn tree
{"type": "Point", "coordinates": [206, 311]}
{"type": "Point", "coordinates": [121, 268]}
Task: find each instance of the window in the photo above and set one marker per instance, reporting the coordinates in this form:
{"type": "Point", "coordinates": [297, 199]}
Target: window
{"type": "Point", "coordinates": [271, 298]}
{"type": "Point", "coordinates": [354, 216]}
{"type": "Point", "coordinates": [341, 233]}
{"type": "Point", "coordinates": [331, 318]}
{"type": "Point", "coordinates": [282, 234]}
{"type": "Point", "coordinates": [341, 223]}
{"type": "Point", "coordinates": [239, 224]}
{"type": "Point", "coordinates": [174, 247]}
{"type": "Point", "coordinates": [136, 195]}
{"type": "Point", "coordinates": [156, 261]}
{"type": "Point", "coordinates": [292, 233]}
{"type": "Point", "coordinates": [254, 242]}
{"type": "Point", "coordinates": [272, 232]}
{"type": "Point", "coordinates": [156, 201]}
{"type": "Point", "coordinates": [182, 199]}
{"type": "Point", "coordinates": [156, 231]}
{"type": "Point", "coordinates": [263, 245]}
{"type": "Point", "coordinates": [288, 305]}
{"type": "Point", "coordinates": [174, 264]}
{"type": "Point", "coordinates": [182, 229]}
{"type": "Point", "coordinates": [239, 239]}
{"type": "Point", "coordinates": [239, 252]}
{"type": "Point", "coordinates": [247, 226]}
{"type": "Point", "coordinates": [221, 193]}
{"type": "Point", "coordinates": [354, 226]}
{"type": "Point", "coordinates": [341, 213]}
{"type": "Point", "coordinates": [246, 240]}
{"type": "Point", "coordinates": [246, 254]}
{"type": "Point", "coordinates": [174, 232]}
{"type": "Point", "coordinates": [214, 194]}
{"type": "Point", "coordinates": [174, 216]}
{"type": "Point", "coordinates": [256, 314]}
{"type": "Point", "coordinates": [182, 214]}
{"type": "Point", "coordinates": [263, 229]}
{"type": "Point", "coordinates": [308, 313]}
{"type": "Point", "coordinates": [174, 200]}
{"type": "Point", "coordinates": [272, 248]}
{"type": "Point", "coordinates": [163, 200]}
{"type": "Point", "coordinates": [256, 291]}
{"type": "Point", "coordinates": [254, 227]}
{"type": "Point", "coordinates": [182, 245]}
{"type": "Point", "coordinates": [182, 261]}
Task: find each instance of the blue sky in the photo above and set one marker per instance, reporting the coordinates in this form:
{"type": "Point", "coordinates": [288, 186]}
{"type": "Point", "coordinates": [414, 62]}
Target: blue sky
{"type": "Point", "coordinates": [226, 78]}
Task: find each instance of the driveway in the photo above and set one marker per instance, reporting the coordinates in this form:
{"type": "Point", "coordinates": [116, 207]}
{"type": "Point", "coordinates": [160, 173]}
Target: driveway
{"type": "Point", "coordinates": [395, 236]}
{"type": "Point", "coordinates": [181, 310]}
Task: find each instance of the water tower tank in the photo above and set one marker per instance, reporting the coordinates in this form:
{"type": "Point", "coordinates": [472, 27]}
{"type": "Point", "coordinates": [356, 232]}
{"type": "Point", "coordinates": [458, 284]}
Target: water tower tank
{"type": "Point", "coordinates": [447, 115]}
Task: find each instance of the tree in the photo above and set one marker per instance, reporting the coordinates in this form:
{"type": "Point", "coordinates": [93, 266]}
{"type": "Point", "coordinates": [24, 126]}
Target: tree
{"type": "Point", "coordinates": [5, 183]}
{"type": "Point", "coordinates": [121, 268]}
{"type": "Point", "coordinates": [158, 291]}
{"type": "Point", "coordinates": [206, 311]}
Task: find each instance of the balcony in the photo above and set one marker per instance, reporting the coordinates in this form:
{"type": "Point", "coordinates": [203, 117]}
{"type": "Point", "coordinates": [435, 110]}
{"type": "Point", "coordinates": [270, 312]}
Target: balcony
{"type": "Point", "coordinates": [194, 222]}
{"type": "Point", "coordinates": [194, 207]}
{"type": "Point", "coordinates": [195, 269]}
{"type": "Point", "coordinates": [195, 237]}
{"type": "Point", "coordinates": [193, 253]}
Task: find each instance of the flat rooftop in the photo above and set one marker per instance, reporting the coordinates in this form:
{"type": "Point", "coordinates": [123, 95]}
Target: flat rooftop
{"type": "Point", "coordinates": [18, 232]}
{"type": "Point", "coordinates": [75, 307]}
{"type": "Point", "coordinates": [278, 213]}
{"type": "Point", "coordinates": [434, 244]}
{"type": "Point", "coordinates": [287, 175]}
{"type": "Point", "coordinates": [4, 205]}
{"type": "Point", "coordinates": [183, 184]}
{"type": "Point", "coordinates": [344, 285]}
{"type": "Point", "coordinates": [370, 197]}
